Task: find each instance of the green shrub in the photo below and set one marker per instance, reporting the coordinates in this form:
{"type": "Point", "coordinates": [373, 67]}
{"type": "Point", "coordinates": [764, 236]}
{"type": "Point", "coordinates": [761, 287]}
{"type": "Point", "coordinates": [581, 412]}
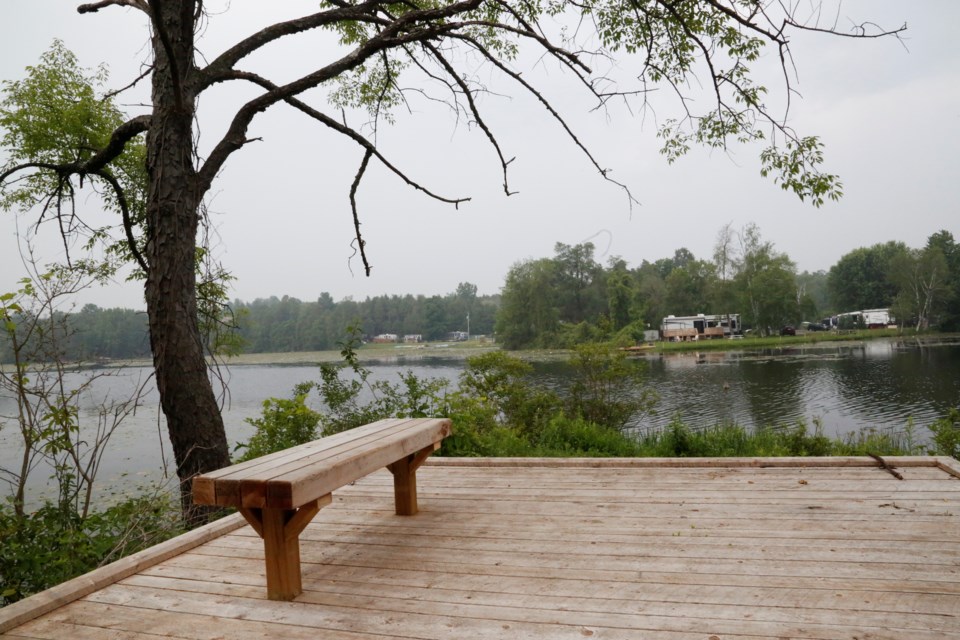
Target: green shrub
{"type": "Point", "coordinates": [946, 435]}
{"type": "Point", "coordinates": [607, 388]}
{"type": "Point", "coordinates": [575, 436]}
{"type": "Point", "coordinates": [502, 383]}
{"type": "Point", "coordinates": [52, 544]}
{"type": "Point", "coordinates": [283, 423]}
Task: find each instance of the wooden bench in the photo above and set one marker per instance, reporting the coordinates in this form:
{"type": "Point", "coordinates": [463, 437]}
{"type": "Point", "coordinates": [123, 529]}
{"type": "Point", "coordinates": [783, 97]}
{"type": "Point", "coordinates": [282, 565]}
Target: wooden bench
{"type": "Point", "coordinates": [280, 493]}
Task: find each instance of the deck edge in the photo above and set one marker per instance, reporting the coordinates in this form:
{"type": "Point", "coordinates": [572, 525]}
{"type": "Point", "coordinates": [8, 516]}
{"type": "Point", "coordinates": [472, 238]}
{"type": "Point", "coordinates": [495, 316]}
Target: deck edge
{"type": "Point", "coordinates": [18, 613]}
{"type": "Point", "coordinates": [946, 464]}
{"type": "Point", "coordinates": [949, 465]}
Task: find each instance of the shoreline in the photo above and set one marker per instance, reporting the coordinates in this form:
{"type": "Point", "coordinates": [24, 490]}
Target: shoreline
{"type": "Point", "coordinates": [383, 353]}
{"type": "Point", "coordinates": [365, 353]}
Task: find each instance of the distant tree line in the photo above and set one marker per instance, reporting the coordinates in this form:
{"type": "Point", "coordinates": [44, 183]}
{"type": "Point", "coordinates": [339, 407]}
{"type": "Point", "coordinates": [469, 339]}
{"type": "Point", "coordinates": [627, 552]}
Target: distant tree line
{"type": "Point", "coordinates": [288, 324]}
{"type": "Point", "coordinates": [571, 298]}
{"type": "Point", "coordinates": [283, 324]}
{"type": "Point", "coordinates": [90, 334]}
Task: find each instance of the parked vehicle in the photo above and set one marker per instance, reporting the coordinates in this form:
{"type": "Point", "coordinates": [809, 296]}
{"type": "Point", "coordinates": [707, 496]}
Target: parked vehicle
{"type": "Point", "coordinates": [700, 327]}
{"type": "Point", "coordinates": [788, 330]}
{"type": "Point", "coordinates": [816, 326]}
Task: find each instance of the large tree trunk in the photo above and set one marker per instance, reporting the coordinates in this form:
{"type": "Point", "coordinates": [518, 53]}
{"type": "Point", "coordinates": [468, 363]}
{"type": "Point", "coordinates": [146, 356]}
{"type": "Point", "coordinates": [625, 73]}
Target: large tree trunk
{"type": "Point", "coordinates": [186, 394]}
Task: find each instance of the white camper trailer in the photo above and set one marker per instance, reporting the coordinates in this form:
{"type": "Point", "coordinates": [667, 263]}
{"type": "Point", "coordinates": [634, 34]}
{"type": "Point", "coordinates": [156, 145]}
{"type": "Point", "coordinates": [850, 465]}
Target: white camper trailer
{"type": "Point", "coordinates": [700, 327]}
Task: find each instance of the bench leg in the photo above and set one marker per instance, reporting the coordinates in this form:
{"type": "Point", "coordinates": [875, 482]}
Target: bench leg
{"type": "Point", "coordinates": [280, 530]}
{"type": "Point", "coordinates": [405, 480]}
{"type": "Point", "coordinates": [282, 555]}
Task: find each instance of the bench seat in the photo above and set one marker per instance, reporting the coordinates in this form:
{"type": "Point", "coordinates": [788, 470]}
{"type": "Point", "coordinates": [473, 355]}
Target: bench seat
{"type": "Point", "coordinates": [281, 492]}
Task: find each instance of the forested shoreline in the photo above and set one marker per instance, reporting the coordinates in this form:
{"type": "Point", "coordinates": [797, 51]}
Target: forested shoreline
{"type": "Point", "coordinates": [571, 298]}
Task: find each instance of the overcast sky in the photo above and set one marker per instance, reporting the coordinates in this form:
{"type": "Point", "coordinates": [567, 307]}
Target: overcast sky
{"type": "Point", "coordinates": [888, 113]}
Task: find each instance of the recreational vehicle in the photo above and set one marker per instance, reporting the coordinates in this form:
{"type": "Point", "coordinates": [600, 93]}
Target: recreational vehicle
{"type": "Point", "coordinates": [867, 318]}
{"type": "Point", "coordinates": [700, 327]}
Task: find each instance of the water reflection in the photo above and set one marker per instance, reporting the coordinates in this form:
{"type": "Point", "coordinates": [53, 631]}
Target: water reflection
{"type": "Point", "coordinates": [879, 384]}
{"type": "Point", "coordinates": [898, 383]}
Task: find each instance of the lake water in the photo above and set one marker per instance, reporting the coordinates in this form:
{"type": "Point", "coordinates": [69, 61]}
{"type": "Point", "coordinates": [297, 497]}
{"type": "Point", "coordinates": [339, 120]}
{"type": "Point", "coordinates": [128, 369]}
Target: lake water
{"type": "Point", "coordinates": [880, 385]}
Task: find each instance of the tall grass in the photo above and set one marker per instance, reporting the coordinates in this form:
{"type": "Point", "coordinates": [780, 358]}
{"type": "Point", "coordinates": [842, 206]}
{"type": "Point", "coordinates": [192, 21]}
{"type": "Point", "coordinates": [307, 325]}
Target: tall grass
{"type": "Point", "coordinates": [726, 440]}
{"type": "Point", "coordinates": [564, 436]}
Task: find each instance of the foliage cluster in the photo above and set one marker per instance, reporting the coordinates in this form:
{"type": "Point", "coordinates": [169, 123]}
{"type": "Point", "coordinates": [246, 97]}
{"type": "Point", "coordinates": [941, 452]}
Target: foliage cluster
{"type": "Point", "coordinates": [59, 115]}
{"type": "Point", "coordinates": [95, 334]}
{"type": "Point", "coordinates": [571, 299]}
{"type": "Point", "coordinates": [283, 423]}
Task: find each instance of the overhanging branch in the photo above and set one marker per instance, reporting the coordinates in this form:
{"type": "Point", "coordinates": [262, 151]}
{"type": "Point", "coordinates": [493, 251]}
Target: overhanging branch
{"type": "Point", "coordinates": [347, 131]}
{"type": "Point", "coordinates": [226, 60]}
{"type": "Point", "coordinates": [398, 32]}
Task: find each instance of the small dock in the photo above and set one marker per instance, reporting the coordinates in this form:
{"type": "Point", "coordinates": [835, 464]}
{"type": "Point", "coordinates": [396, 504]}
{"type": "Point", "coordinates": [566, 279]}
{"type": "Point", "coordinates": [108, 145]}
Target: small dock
{"type": "Point", "coordinates": [671, 549]}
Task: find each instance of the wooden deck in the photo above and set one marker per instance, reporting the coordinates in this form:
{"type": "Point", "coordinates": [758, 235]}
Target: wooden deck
{"type": "Point", "coordinates": [653, 549]}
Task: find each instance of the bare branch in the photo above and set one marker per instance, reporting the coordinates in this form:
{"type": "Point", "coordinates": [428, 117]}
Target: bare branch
{"type": "Point", "coordinates": [64, 231]}
{"type": "Point", "coordinates": [550, 108]}
{"type": "Point", "coordinates": [361, 243]}
{"type": "Point", "coordinates": [454, 104]}
{"type": "Point", "coordinates": [859, 31]}
{"type": "Point", "coordinates": [118, 141]}
{"type": "Point", "coordinates": [125, 214]}
{"type": "Point", "coordinates": [468, 94]}
{"type": "Point", "coordinates": [27, 165]}
{"type": "Point", "coordinates": [143, 75]}
{"type": "Point", "coordinates": [747, 22]}
{"type": "Point", "coordinates": [570, 59]}
{"type": "Point", "coordinates": [96, 6]}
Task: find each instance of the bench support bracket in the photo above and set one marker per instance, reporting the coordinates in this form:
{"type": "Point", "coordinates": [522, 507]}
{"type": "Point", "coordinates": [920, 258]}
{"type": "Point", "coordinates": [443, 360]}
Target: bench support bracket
{"type": "Point", "coordinates": [280, 530]}
{"type": "Point", "coordinates": [405, 480]}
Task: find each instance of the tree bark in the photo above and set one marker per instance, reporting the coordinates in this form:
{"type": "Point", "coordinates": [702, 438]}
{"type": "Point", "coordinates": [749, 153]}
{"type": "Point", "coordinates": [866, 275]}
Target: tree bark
{"type": "Point", "coordinates": [193, 417]}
